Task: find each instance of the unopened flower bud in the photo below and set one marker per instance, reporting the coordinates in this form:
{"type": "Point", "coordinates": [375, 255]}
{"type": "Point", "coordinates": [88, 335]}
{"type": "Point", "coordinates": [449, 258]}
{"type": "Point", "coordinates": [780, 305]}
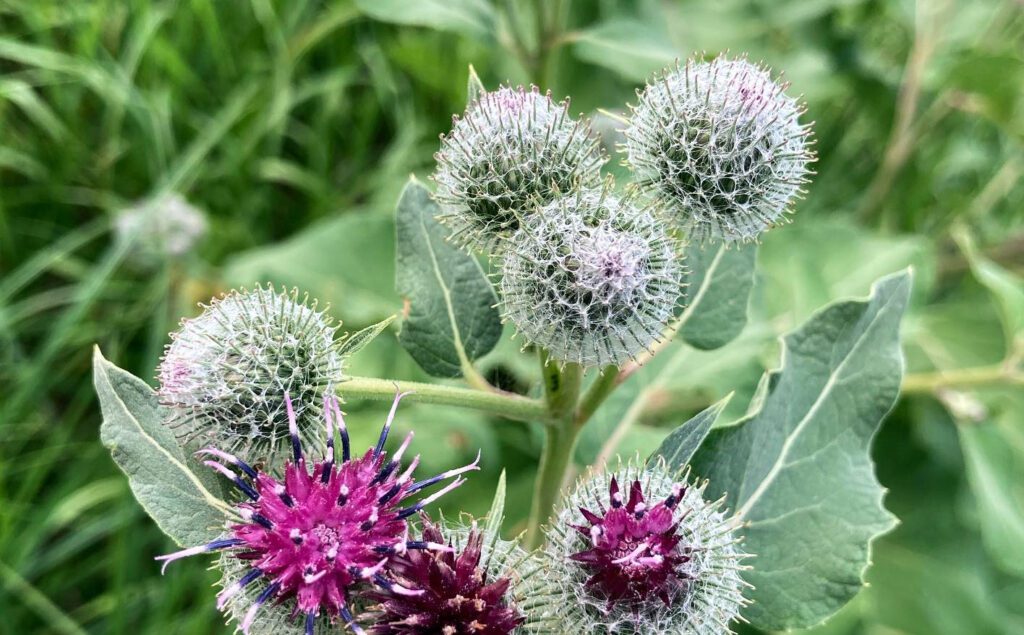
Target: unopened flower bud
{"type": "Point", "coordinates": [721, 145]}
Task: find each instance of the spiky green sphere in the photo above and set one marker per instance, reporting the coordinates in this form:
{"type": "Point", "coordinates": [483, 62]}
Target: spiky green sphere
{"type": "Point", "coordinates": [511, 151]}
{"type": "Point", "coordinates": [225, 374]}
{"type": "Point", "coordinates": [638, 550]}
{"type": "Point", "coordinates": [591, 278]}
{"type": "Point", "coordinates": [722, 146]}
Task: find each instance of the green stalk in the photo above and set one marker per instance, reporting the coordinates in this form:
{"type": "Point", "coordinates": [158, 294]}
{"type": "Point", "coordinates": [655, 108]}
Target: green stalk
{"type": "Point", "coordinates": [555, 464]}
{"type": "Point", "coordinates": [505, 404]}
{"type": "Point", "coordinates": [562, 391]}
{"type": "Point", "coordinates": [602, 387]}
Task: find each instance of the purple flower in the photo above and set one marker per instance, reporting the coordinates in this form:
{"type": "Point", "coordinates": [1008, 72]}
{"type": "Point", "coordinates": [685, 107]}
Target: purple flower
{"type": "Point", "coordinates": [458, 597]}
{"type": "Point", "coordinates": [320, 534]}
{"type": "Point", "coordinates": [636, 551]}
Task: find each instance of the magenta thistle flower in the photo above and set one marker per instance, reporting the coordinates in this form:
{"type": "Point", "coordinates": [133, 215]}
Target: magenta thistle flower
{"type": "Point", "coordinates": [636, 551]}
{"type": "Point", "coordinates": [321, 534]}
{"type": "Point", "coordinates": [458, 598]}
{"type": "Point", "coordinates": [653, 557]}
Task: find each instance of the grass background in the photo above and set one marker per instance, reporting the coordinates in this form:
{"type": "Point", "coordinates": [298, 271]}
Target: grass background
{"type": "Point", "coordinates": [294, 124]}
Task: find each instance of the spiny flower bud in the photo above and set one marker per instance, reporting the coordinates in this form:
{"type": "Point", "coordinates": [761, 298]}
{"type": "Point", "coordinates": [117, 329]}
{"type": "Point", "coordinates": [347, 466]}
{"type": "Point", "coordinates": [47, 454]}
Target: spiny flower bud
{"type": "Point", "coordinates": [225, 374]}
{"type": "Point", "coordinates": [640, 551]}
{"type": "Point", "coordinates": [313, 540]}
{"type": "Point", "coordinates": [470, 588]}
{"type": "Point", "coordinates": [164, 227]}
{"type": "Point", "coordinates": [591, 278]}
{"type": "Point", "coordinates": [513, 149]}
{"type": "Point", "coordinates": [722, 146]}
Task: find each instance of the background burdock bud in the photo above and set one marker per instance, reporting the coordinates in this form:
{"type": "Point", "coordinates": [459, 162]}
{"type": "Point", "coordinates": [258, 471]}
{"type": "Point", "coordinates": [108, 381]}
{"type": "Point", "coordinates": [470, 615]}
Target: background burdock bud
{"type": "Point", "coordinates": [225, 374]}
{"type": "Point", "coordinates": [591, 278]}
{"type": "Point", "coordinates": [479, 586]}
{"type": "Point", "coordinates": [639, 551]}
{"type": "Point", "coordinates": [512, 150]}
{"type": "Point", "coordinates": [721, 145]}
{"type": "Point", "coordinates": [163, 227]}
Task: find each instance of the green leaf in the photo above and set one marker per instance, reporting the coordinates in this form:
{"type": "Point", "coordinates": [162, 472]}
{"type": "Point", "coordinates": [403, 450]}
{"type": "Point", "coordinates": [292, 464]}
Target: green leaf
{"type": "Point", "coordinates": [994, 454]}
{"type": "Point", "coordinates": [331, 262]}
{"type": "Point", "coordinates": [354, 342]}
{"type": "Point", "coordinates": [1006, 288]}
{"type": "Point", "coordinates": [718, 290]}
{"type": "Point", "coordinates": [451, 318]}
{"type": "Point", "coordinates": [799, 472]}
{"type": "Point", "coordinates": [683, 442]}
{"type": "Point", "coordinates": [629, 47]}
{"type": "Point", "coordinates": [497, 513]}
{"type": "Point", "coordinates": [809, 263]}
{"type": "Point", "coordinates": [474, 87]}
{"type": "Point", "coordinates": [470, 17]}
{"type": "Point", "coordinates": [160, 475]}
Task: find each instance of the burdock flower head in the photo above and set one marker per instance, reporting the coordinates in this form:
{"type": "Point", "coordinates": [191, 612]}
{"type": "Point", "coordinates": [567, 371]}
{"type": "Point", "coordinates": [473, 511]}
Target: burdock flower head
{"type": "Point", "coordinates": [721, 145]}
{"type": "Point", "coordinates": [591, 278]}
{"type": "Point", "coordinates": [640, 551]}
{"type": "Point", "coordinates": [313, 540]}
{"type": "Point", "coordinates": [469, 588]}
{"type": "Point", "coordinates": [225, 374]}
{"type": "Point", "coordinates": [165, 226]}
{"type": "Point", "coordinates": [513, 150]}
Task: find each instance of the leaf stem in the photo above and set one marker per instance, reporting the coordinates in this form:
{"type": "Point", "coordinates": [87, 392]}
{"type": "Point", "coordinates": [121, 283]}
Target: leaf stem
{"type": "Point", "coordinates": [917, 383]}
{"type": "Point", "coordinates": [506, 404]}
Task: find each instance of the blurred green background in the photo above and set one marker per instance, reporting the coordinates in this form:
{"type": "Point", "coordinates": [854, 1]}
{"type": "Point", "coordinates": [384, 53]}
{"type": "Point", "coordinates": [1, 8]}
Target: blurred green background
{"type": "Point", "coordinates": [293, 125]}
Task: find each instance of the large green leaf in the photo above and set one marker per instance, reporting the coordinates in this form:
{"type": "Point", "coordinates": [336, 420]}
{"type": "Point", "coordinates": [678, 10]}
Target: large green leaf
{"type": "Point", "coordinates": [629, 47]}
{"type": "Point", "coordinates": [160, 475]}
{"type": "Point", "coordinates": [451, 318]}
{"type": "Point", "coordinates": [717, 293]}
{"type": "Point", "coordinates": [469, 17]}
{"type": "Point", "coordinates": [798, 470]}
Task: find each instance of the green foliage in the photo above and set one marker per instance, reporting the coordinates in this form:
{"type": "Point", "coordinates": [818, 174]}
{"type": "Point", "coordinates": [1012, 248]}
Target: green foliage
{"type": "Point", "coordinates": [471, 17]}
{"type": "Point", "coordinates": [163, 479]}
{"type": "Point", "coordinates": [679, 447]}
{"type": "Point", "coordinates": [294, 125]}
{"type": "Point", "coordinates": [719, 281]}
{"type": "Point", "coordinates": [450, 319]}
{"type": "Point", "coordinates": [798, 469]}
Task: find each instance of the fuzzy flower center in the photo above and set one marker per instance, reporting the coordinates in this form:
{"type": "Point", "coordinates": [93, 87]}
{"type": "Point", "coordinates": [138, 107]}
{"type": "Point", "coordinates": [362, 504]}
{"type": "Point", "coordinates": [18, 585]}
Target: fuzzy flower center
{"type": "Point", "coordinates": [636, 551]}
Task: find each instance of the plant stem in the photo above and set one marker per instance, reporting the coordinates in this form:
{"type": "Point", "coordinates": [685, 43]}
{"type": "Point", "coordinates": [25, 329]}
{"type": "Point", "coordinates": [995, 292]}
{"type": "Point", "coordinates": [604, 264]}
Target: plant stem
{"type": "Point", "coordinates": [962, 378]}
{"type": "Point", "coordinates": [602, 387]}
{"type": "Point", "coordinates": [561, 386]}
{"type": "Point", "coordinates": [561, 391]}
{"type": "Point", "coordinates": [505, 404]}
{"type": "Point", "coordinates": [551, 476]}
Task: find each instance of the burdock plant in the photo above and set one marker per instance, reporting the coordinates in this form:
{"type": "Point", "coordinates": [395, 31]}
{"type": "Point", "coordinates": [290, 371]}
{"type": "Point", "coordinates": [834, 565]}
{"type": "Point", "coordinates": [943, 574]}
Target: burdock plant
{"type": "Point", "coordinates": [226, 373]}
{"type": "Point", "coordinates": [322, 529]}
{"type": "Point", "coordinates": [722, 145]}
{"type": "Point", "coordinates": [591, 278]}
{"type": "Point", "coordinates": [512, 150]}
{"type": "Point", "coordinates": [640, 551]}
{"type": "Point", "coordinates": [610, 285]}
